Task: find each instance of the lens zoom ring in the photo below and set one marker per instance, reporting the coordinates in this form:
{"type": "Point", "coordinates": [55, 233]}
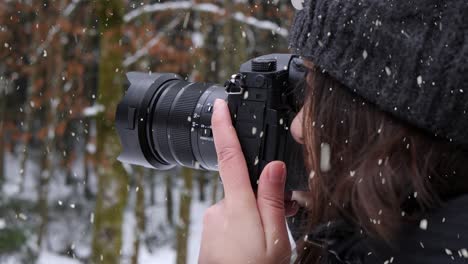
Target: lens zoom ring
{"type": "Point", "coordinates": [181, 123]}
{"type": "Point", "coordinates": [163, 108]}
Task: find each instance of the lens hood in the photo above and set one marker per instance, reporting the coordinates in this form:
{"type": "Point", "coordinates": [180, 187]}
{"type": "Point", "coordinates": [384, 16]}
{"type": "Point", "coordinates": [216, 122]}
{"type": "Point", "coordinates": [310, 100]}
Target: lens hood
{"type": "Point", "coordinates": [133, 122]}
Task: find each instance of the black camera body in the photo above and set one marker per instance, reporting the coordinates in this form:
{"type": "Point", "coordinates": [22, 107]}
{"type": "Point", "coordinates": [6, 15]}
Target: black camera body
{"type": "Point", "coordinates": [163, 121]}
{"type": "Point", "coordinates": [262, 106]}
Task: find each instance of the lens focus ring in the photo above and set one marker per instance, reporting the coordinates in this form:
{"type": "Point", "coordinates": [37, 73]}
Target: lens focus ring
{"type": "Point", "coordinates": [180, 123]}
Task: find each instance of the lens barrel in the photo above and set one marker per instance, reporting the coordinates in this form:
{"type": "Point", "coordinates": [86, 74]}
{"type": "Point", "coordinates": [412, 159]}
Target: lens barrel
{"type": "Point", "coordinates": [163, 121]}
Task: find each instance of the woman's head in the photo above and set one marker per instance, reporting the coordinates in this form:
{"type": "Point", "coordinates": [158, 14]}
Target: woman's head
{"type": "Point", "coordinates": [386, 110]}
{"type": "Point", "coordinates": [368, 167]}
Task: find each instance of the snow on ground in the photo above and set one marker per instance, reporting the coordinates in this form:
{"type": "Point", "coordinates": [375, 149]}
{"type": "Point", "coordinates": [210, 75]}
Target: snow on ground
{"type": "Point", "coordinates": [12, 184]}
{"type": "Point", "coordinates": [167, 254]}
{"type": "Point", "coordinates": [52, 258]}
{"type": "Point", "coordinates": [163, 254]}
{"type": "Point", "coordinates": [156, 219]}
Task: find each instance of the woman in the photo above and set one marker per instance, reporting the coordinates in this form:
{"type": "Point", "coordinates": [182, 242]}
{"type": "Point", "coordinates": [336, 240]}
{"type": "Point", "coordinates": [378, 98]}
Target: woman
{"type": "Point", "coordinates": [384, 127]}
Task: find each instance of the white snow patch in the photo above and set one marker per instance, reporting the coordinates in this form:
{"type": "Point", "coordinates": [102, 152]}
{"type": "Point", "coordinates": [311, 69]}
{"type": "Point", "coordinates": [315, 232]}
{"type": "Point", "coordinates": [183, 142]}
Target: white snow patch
{"type": "Point", "coordinates": [52, 258]}
{"type": "Point", "coordinates": [197, 39]}
{"type": "Point", "coordinates": [93, 110]}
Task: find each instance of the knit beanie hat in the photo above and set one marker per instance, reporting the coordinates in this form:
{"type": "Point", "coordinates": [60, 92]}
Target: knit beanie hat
{"type": "Point", "coordinates": [409, 58]}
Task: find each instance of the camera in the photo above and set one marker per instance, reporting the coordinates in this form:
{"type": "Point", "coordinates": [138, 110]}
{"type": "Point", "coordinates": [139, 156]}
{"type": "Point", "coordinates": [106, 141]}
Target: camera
{"type": "Point", "coordinates": [164, 121]}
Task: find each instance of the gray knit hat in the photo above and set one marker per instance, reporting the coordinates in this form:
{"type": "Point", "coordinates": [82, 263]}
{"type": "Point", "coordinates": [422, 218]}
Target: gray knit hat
{"type": "Point", "coordinates": [408, 57]}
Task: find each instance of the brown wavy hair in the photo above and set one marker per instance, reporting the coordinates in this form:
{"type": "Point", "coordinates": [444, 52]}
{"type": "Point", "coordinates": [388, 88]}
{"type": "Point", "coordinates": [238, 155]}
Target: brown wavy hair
{"type": "Point", "coordinates": [382, 171]}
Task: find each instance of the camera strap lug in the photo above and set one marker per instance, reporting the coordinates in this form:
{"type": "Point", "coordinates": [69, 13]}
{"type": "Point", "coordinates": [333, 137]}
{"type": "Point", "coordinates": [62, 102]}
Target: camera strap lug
{"type": "Point", "coordinates": [234, 86]}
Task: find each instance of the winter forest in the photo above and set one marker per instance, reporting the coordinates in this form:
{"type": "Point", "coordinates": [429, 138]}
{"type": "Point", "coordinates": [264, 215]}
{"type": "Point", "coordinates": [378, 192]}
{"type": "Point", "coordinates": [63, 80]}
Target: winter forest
{"type": "Point", "coordinates": [64, 197]}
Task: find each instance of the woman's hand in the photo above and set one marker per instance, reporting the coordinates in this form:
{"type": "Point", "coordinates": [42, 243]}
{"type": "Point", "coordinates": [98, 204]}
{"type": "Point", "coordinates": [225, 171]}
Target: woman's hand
{"type": "Point", "coordinates": [241, 229]}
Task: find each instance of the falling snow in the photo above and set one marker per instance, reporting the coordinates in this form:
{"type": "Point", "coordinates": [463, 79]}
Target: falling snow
{"type": "Point", "coordinates": [254, 131]}
{"type": "Point", "coordinates": [325, 156]}
{"type": "Point", "coordinates": [388, 71]}
{"type": "Point", "coordinates": [419, 80]}
{"type": "Point", "coordinates": [423, 224]}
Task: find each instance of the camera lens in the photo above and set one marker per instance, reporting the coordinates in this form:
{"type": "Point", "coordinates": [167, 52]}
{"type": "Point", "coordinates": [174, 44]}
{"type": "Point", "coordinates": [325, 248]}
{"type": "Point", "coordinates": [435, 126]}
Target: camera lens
{"type": "Point", "coordinates": [163, 121]}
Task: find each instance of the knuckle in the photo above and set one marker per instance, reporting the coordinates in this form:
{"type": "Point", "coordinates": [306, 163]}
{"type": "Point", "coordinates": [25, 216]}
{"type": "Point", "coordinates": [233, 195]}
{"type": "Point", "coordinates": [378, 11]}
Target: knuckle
{"type": "Point", "coordinates": [273, 202]}
{"type": "Point", "coordinates": [227, 154]}
{"type": "Point", "coordinates": [208, 216]}
{"type": "Point", "coordinates": [211, 213]}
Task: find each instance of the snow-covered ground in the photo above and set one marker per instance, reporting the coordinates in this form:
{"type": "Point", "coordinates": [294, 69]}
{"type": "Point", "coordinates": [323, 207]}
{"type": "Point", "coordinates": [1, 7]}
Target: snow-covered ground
{"type": "Point", "coordinates": [70, 224]}
{"type": "Point", "coordinates": [164, 254]}
{"type": "Point", "coordinates": [156, 216]}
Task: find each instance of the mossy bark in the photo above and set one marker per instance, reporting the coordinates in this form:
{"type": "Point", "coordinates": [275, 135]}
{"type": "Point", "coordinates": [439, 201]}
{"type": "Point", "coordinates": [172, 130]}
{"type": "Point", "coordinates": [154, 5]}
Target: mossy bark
{"type": "Point", "coordinates": [184, 217]}
{"type": "Point", "coordinates": [112, 178]}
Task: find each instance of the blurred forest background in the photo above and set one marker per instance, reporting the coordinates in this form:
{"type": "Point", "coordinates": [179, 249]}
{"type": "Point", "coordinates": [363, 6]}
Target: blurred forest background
{"type": "Point", "coordinates": [63, 196]}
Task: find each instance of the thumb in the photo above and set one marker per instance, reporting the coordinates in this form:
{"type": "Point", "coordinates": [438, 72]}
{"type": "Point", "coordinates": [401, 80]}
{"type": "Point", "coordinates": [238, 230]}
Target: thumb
{"type": "Point", "coordinates": [270, 202]}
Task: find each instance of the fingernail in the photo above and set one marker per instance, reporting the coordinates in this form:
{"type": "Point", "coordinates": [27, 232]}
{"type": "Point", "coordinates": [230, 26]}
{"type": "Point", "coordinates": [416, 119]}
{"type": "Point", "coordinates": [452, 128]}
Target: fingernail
{"type": "Point", "coordinates": [277, 172]}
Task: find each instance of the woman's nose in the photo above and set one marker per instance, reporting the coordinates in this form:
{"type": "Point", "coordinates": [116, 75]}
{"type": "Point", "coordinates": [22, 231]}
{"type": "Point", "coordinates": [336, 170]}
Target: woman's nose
{"type": "Point", "coordinates": [296, 128]}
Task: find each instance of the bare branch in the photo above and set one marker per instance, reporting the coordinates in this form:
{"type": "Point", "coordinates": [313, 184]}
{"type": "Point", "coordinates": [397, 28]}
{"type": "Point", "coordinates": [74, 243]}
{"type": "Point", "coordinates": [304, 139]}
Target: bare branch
{"type": "Point", "coordinates": [70, 8]}
{"type": "Point", "coordinates": [151, 43]}
{"type": "Point", "coordinates": [208, 8]}
{"type": "Point", "coordinates": [54, 30]}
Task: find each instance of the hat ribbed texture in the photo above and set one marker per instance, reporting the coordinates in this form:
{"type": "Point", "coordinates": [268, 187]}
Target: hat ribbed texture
{"type": "Point", "coordinates": [410, 58]}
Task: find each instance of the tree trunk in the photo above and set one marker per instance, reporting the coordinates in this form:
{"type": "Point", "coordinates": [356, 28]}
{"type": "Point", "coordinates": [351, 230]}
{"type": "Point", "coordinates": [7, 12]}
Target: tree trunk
{"type": "Point", "coordinates": [169, 200]}
{"type": "Point", "coordinates": [140, 188]}
{"type": "Point", "coordinates": [88, 194]}
{"type": "Point", "coordinates": [139, 213]}
{"type": "Point", "coordinates": [32, 90]}
{"type": "Point", "coordinates": [112, 178]}
{"type": "Point", "coordinates": [201, 185]}
{"type": "Point", "coordinates": [89, 93]}
{"type": "Point", "coordinates": [234, 46]}
{"type": "Point", "coordinates": [209, 68]}
{"type": "Point", "coordinates": [2, 135]}
{"type": "Point", "coordinates": [214, 193]}
{"type": "Point", "coordinates": [152, 190]}
{"type": "Point", "coordinates": [184, 217]}
{"type": "Point", "coordinates": [52, 82]}
{"type": "Point", "coordinates": [43, 193]}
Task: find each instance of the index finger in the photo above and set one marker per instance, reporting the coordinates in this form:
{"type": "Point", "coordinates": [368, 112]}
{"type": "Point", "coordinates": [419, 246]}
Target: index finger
{"type": "Point", "coordinates": [231, 161]}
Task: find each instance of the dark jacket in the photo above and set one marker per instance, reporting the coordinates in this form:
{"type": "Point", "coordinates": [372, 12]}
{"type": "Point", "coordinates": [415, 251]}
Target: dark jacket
{"type": "Point", "coordinates": [444, 240]}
